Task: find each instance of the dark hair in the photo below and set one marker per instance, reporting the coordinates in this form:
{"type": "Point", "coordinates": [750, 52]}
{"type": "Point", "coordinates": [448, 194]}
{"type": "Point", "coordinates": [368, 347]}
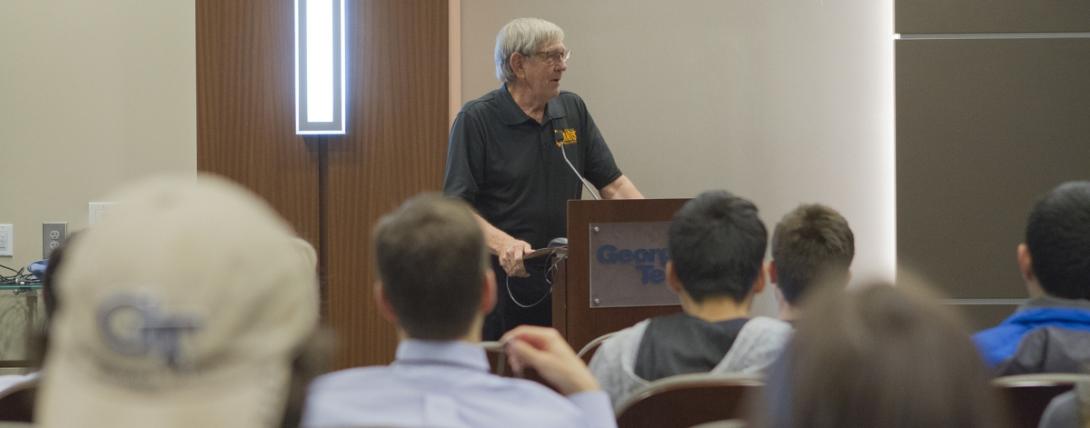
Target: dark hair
{"type": "Point", "coordinates": [49, 277]}
{"type": "Point", "coordinates": [717, 244]}
{"type": "Point", "coordinates": [1058, 238]}
{"type": "Point", "coordinates": [811, 242]}
{"type": "Point", "coordinates": [38, 344]}
{"type": "Point", "coordinates": [431, 259]}
{"type": "Point", "coordinates": [312, 358]}
{"type": "Point", "coordinates": [880, 356]}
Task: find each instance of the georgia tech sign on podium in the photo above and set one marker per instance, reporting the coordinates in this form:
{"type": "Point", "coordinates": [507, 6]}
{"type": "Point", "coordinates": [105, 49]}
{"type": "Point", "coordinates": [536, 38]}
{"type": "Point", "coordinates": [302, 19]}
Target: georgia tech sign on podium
{"type": "Point", "coordinates": [628, 265]}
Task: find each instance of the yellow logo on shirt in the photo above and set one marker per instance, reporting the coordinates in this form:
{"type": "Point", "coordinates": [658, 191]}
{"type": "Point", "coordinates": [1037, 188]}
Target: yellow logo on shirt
{"type": "Point", "coordinates": [569, 137]}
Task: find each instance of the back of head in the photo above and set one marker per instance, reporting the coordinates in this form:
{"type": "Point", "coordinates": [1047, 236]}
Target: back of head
{"type": "Point", "coordinates": [432, 260]}
{"type": "Point", "coordinates": [1058, 238]}
{"type": "Point", "coordinates": [717, 244]}
{"type": "Point", "coordinates": [881, 355]}
{"type": "Point", "coordinates": [811, 244]}
{"type": "Point", "coordinates": [184, 307]}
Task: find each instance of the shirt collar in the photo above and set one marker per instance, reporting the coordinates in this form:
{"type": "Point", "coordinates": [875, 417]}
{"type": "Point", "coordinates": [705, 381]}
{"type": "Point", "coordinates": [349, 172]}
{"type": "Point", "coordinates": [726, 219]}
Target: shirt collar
{"type": "Point", "coordinates": [454, 352]}
{"type": "Point", "coordinates": [512, 114]}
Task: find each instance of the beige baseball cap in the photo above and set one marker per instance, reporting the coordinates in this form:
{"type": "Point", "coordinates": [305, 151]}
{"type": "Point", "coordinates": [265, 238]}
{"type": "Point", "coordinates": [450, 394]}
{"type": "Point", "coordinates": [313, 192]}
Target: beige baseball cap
{"type": "Point", "coordinates": [184, 307]}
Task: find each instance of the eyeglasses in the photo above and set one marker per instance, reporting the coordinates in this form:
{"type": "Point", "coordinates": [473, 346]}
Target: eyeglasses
{"type": "Point", "coordinates": [555, 57]}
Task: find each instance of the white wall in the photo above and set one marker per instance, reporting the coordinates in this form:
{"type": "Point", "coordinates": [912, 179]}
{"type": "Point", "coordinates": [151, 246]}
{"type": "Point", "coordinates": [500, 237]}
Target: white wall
{"type": "Point", "coordinates": [781, 101]}
{"type": "Point", "coordinates": [94, 94]}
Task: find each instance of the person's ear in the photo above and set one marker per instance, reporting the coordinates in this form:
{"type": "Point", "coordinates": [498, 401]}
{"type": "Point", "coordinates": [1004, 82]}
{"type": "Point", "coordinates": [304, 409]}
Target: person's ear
{"type": "Point", "coordinates": [759, 283]}
{"type": "Point", "coordinates": [672, 280]}
{"type": "Point", "coordinates": [517, 61]}
{"type": "Point", "coordinates": [384, 306]}
{"type": "Point", "coordinates": [1025, 263]}
{"type": "Point", "coordinates": [488, 292]}
{"type": "Point", "coordinates": [773, 275]}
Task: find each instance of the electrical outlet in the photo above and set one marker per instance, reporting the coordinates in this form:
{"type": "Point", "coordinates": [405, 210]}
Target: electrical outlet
{"type": "Point", "coordinates": [7, 240]}
{"type": "Point", "coordinates": [96, 211]}
{"type": "Point", "coordinates": [53, 235]}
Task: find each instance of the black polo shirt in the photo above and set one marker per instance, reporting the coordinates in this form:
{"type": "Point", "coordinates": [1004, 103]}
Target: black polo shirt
{"type": "Point", "coordinates": [511, 170]}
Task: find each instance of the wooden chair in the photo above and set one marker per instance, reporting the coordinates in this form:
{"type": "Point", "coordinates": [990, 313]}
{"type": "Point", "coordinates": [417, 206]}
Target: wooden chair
{"type": "Point", "coordinates": [686, 400]}
{"type": "Point", "coordinates": [1027, 396]}
{"type": "Point", "coordinates": [17, 402]}
{"type": "Point", "coordinates": [587, 352]}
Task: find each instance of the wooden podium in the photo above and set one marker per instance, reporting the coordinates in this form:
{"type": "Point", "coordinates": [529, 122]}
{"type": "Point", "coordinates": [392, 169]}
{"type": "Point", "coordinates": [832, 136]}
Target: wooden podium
{"type": "Point", "coordinates": [573, 314]}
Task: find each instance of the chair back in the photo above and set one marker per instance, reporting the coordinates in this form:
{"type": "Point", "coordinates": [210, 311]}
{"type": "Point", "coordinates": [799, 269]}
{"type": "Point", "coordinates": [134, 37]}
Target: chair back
{"type": "Point", "coordinates": [587, 351]}
{"type": "Point", "coordinates": [17, 402]}
{"type": "Point", "coordinates": [686, 400]}
{"type": "Point", "coordinates": [1027, 396]}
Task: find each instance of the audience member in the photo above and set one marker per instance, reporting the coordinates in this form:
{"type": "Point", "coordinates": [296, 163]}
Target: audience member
{"type": "Point", "coordinates": [189, 305]}
{"type": "Point", "coordinates": [37, 345]}
{"type": "Point", "coordinates": [880, 356]}
{"type": "Point", "coordinates": [811, 245]}
{"type": "Point", "coordinates": [436, 285]}
{"type": "Point", "coordinates": [18, 391]}
{"type": "Point", "coordinates": [1068, 410]}
{"type": "Point", "coordinates": [1055, 264]}
{"type": "Point", "coordinates": [717, 245]}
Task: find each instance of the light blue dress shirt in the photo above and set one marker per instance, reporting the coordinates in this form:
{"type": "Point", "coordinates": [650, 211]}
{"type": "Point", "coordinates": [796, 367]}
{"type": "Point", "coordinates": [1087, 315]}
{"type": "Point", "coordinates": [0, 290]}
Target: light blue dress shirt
{"type": "Point", "coordinates": [445, 384]}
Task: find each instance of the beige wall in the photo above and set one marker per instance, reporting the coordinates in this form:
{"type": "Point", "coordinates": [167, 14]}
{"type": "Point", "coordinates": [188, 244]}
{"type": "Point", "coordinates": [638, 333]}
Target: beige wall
{"type": "Point", "coordinates": [94, 94]}
{"type": "Point", "coordinates": [781, 101]}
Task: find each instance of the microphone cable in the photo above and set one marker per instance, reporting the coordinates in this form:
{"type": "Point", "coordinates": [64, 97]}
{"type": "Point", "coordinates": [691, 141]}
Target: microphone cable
{"type": "Point", "coordinates": [586, 184]}
{"type": "Point", "coordinates": [553, 263]}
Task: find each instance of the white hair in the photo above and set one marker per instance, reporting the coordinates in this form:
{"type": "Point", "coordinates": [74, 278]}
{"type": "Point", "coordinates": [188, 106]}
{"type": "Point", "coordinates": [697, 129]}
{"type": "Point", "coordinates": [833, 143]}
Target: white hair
{"type": "Point", "coordinates": [525, 36]}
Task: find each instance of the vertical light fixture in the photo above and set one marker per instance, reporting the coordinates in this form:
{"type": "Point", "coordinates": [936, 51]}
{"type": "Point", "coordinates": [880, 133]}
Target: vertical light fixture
{"type": "Point", "coordinates": [319, 67]}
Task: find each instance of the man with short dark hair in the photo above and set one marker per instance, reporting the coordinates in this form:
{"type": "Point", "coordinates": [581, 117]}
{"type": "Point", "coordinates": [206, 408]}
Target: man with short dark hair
{"type": "Point", "coordinates": [1055, 264]}
{"type": "Point", "coordinates": [435, 283]}
{"type": "Point", "coordinates": [717, 245]}
{"type": "Point", "coordinates": [811, 245]}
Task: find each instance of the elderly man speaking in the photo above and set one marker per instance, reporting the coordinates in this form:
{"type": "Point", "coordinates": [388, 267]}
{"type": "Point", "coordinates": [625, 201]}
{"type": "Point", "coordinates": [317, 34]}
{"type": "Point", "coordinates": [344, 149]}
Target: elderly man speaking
{"type": "Point", "coordinates": [517, 155]}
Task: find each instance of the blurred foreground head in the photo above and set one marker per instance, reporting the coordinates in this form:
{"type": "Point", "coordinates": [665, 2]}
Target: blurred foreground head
{"type": "Point", "coordinates": [881, 356]}
{"type": "Point", "coordinates": [186, 307]}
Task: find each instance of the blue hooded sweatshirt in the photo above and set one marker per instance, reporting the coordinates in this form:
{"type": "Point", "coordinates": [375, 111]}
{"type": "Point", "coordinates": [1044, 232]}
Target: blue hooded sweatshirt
{"type": "Point", "coordinates": [998, 344]}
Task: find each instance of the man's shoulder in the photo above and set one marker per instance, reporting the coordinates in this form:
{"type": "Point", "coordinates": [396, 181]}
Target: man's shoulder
{"type": "Point", "coordinates": [485, 104]}
{"type": "Point", "coordinates": [569, 95]}
{"type": "Point", "coordinates": [350, 379]}
{"type": "Point", "coordinates": [622, 342]}
{"type": "Point", "coordinates": [571, 100]}
{"type": "Point", "coordinates": [770, 325]}
{"type": "Point", "coordinates": [633, 332]}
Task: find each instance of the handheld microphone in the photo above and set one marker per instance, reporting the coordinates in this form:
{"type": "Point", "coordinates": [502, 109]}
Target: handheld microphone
{"type": "Point", "coordinates": [558, 135]}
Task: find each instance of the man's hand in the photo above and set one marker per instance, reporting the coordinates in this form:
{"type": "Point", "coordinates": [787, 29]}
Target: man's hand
{"type": "Point", "coordinates": [544, 350]}
{"type": "Point", "coordinates": [511, 257]}
{"type": "Point", "coordinates": [508, 249]}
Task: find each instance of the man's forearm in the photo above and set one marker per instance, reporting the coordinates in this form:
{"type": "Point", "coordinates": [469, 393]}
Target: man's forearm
{"type": "Point", "coordinates": [621, 188]}
{"type": "Point", "coordinates": [494, 238]}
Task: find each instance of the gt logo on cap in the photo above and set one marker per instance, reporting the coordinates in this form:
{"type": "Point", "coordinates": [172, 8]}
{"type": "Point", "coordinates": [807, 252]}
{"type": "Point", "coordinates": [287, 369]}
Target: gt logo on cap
{"type": "Point", "coordinates": [135, 326]}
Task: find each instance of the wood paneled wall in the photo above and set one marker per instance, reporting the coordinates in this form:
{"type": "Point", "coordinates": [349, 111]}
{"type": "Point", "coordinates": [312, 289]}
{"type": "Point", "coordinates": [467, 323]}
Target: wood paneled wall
{"type": "Point", "coordinates": [395, 148]}
{"type": "Point", "coordinates": [334, 190]}
{"type": "Point", "coordinates": [245, 107]}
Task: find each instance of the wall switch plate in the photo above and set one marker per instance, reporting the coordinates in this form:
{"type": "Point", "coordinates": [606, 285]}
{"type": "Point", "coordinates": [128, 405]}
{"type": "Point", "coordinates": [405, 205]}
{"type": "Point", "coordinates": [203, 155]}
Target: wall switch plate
{"type": "Point", "coordinates": [7, 240]}
{"type": "Point", "coordinates": [96, 211]}
{"type": "Point", "coordinates": [53, 235]}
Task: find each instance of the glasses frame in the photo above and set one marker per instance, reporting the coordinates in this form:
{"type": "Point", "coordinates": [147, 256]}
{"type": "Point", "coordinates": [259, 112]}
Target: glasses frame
{"type": "Point", "coordinates": [554, 57]}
